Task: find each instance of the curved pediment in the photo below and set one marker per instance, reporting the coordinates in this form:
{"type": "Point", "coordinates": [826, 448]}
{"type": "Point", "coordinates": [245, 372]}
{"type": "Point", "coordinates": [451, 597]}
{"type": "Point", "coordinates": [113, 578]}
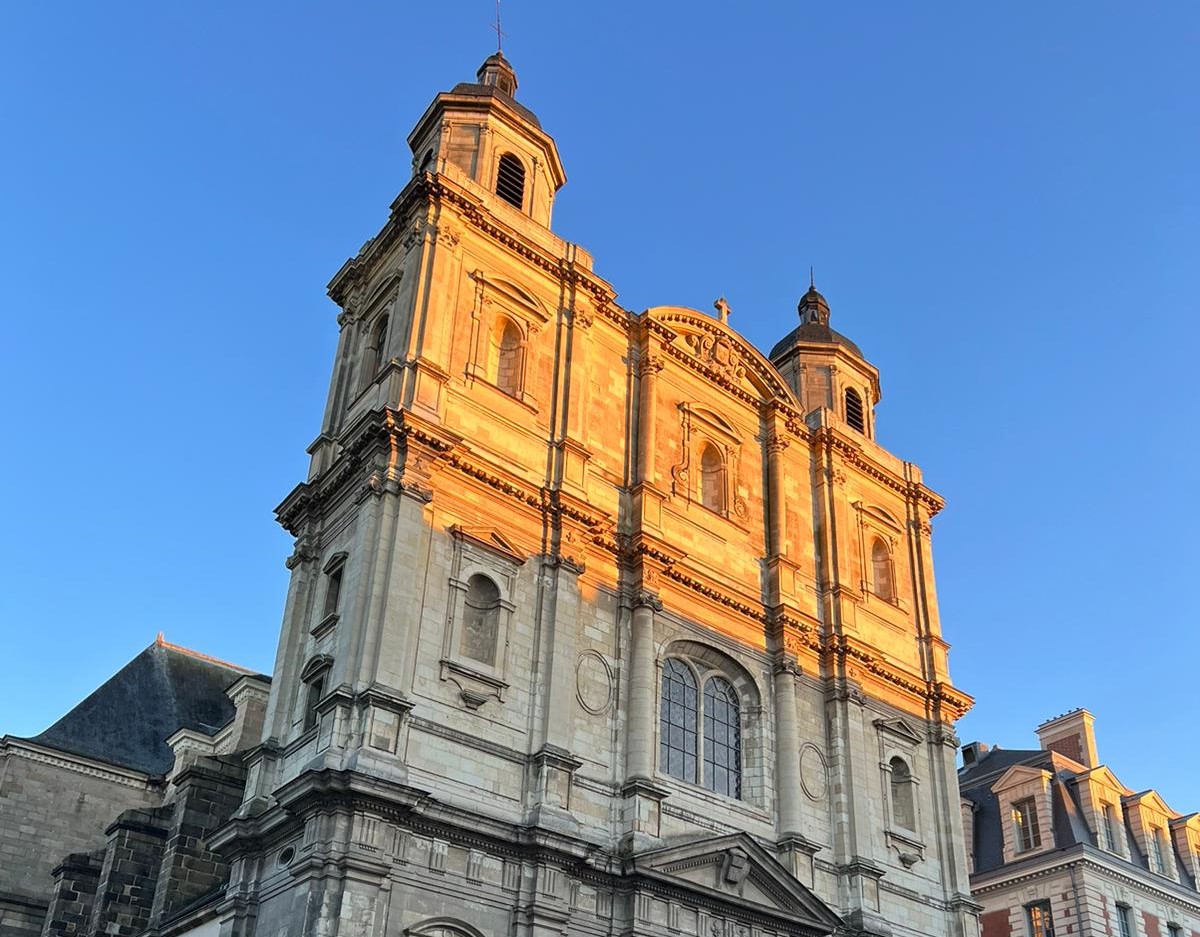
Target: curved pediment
{"type": "Point", "coordinates": [721, 349]}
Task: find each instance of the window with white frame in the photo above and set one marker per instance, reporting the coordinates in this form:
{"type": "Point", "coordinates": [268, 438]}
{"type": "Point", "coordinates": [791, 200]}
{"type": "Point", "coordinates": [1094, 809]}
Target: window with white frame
{"type": "Point", "coordinates": [1109, 824]}
{"type": "Point", "coordinates": [1039, 919]}
{"type": "Point", "coordinates": [1025, 825]}
{"type": "Point", "coordinates": [700, 733]}
{"type": "Point", "coordinates": [1157, 851]}
{"type": "Point", "coordinates": [1124, 920]}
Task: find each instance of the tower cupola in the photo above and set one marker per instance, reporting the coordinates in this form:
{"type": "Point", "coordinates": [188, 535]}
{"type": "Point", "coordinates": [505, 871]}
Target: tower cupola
{"type": "Point", "coordinates": [498, 73]}
{"type": "Point", "coordinates": [826, 369]}
{"type": "Point", "coordinates": [477, 135]}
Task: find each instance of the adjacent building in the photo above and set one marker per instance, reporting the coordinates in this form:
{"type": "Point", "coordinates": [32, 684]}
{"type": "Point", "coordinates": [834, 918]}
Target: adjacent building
{"type": "Point", "coordinates": [71, 795]}
{"type": "Point", "coordinates": [1058, 845]}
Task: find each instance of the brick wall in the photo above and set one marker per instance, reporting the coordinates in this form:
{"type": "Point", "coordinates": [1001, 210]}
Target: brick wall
{"type": "Point", "coordinates": [995, 924]}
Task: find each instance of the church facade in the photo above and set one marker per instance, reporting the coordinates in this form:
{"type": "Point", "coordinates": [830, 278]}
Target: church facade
{"type": "Point", "coordinates": [600, 621]}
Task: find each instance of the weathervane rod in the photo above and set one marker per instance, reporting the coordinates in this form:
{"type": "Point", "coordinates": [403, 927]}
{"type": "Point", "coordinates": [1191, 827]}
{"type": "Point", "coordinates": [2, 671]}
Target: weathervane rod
{"type": "Point", "coordinates": [499, 44]}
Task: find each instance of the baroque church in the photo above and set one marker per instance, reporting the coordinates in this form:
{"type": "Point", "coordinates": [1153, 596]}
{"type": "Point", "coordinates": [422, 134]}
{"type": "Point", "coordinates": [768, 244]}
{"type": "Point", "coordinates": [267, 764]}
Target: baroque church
{"type": "Point", "coordinates": [600, 621]}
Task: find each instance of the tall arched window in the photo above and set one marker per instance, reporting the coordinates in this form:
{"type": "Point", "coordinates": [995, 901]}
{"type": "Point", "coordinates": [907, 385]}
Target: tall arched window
{"type": "Point", "coordinates": [677, 720]}
{"type": "Point", "coordinates": [510, 180]}
{"type": "Point", "coordinates": [376, 345]}
{"type": "Point", "coordinates": [855, 415]}
{"type": "Point", "coordinates": [881, 570]}
{"type": "Point", "coordinates": [903, 806]}
{"type": "Point", "coordinates": [481, 619]}
{"type": "Point", "coordinates": [711, 756]}
{"type": "Point", "coordinates": [712, 478]}
{"type": "Point", "coordinates": [508, 358]}
{"type": "Point", "coordinates": [722, 738]}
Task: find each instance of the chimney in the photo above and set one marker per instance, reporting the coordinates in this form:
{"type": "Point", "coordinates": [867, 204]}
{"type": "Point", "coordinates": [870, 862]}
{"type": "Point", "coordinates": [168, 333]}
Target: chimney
{"type": "Point", "coordinates": [973, 752]}
{"type": "Point", "coordinates": [1071, 734]}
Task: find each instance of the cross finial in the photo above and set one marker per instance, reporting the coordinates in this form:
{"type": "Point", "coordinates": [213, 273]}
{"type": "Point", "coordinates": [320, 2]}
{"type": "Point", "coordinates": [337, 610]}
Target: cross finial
{"type": "Point", "coordinates": [812, 280]}
{"type": "Point", "coordinates": [723, 310]}
{"type": "Point", "coordinates": [499, 31]}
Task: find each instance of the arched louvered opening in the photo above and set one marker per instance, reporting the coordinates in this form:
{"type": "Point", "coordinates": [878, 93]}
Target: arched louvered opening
{"type": "Point", "coordinates": [510, 180]}
{"type": "Point", "coordinates": [508, 358]}
{"type": "Point", "coordinates": [481, 619]}
{"type": "Point", "coordinates": [903, 801]}
{"type": "Point", "coordinates": [712, 478]}
{"type": "Point", "coordinates": [881, 570]}
{"type": "Point", "coordinates": [855, 415]}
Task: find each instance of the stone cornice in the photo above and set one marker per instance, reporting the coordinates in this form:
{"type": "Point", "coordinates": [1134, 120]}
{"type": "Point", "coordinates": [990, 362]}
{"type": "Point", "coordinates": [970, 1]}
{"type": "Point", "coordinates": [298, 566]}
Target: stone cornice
{"type": "Point", "coordinates": [127, 777]}
{"type": "Point", "coordinates": [852, 453]}
{"type": "Point", "coordinates": [1086, 857]}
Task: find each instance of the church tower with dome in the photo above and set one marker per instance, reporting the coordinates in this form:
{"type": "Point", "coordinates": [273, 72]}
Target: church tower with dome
{"type": "Point", "coordinates": [600, 622]}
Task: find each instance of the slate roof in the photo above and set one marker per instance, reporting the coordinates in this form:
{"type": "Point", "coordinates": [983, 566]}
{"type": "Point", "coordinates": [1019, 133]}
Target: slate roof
{"type": "Point", "coordinates": [816, 334]}
{"type": "Point", "coordinates": [128, 718]}
{"type": "Point", "coordinates": [491, 91]}
{"type": "Point", "coordinates": [1070, 829]}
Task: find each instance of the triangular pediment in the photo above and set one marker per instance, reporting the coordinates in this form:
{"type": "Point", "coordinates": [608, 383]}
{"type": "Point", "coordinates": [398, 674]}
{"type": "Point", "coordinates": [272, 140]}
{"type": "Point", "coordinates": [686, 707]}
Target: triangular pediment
{"type": "Point", "coordinates": [1019, 774]}
{"type": "Point", "coordinates": [490, 539]}
{"type": "Point", "coordinates": [900, 729]}
{"type": "Point", "coordinates": [1103, 776]}
{"type": "Point", "coordinates": [1152, 800]}
{"type": "Point", "coordinates": [737, 871]}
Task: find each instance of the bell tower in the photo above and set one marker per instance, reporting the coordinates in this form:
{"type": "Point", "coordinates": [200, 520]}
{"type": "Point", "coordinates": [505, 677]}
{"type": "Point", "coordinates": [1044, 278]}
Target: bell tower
{"type": "Point", "coordinates": [479, 135]}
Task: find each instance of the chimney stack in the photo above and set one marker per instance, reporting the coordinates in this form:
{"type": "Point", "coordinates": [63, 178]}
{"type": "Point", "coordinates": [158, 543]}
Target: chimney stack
{"type": "Point", "coordinates": [1071, 734]}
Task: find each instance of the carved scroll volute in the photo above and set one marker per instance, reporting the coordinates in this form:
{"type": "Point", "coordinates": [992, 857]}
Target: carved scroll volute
{"type": "Point", "coordinates": [681, 471]}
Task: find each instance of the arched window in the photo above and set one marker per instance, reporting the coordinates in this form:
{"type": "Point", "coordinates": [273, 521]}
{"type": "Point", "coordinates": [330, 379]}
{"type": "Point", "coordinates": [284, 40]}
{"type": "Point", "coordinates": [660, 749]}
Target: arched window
{"type": "Point", "coordinates": [677, 720]}
{"type": "Point", "coordinates": [854, 410]}
{"type": "Point", "coordinates": [376, 346]}
{"type": "Point", "coordinates": [508, 358]}
{"type": "Point", "coordinates": [903, 807]}
{"type": "Point", "coordinates": [722, 738]}
{"type": "Point", "coordinates": [712, 478]}
{"type": "Point", "coordinates": [713, 756]}
{"type": "Point", "coordinates": [881, 570]}
{"type": "Point", "coordinates": [481, 620]}
{"type": "Point", "coordinates": [510, 180]}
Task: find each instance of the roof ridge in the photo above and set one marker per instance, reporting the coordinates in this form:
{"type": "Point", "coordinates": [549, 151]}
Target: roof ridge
{"type": "Point", "coordinates": [160, 641]}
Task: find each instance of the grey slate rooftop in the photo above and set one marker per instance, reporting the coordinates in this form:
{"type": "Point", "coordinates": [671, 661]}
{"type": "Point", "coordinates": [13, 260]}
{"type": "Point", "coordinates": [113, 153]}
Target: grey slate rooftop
{"type": "Point", "coordinates": [975, 784]}
{"type": "Point", "coordinates": [127, 719]}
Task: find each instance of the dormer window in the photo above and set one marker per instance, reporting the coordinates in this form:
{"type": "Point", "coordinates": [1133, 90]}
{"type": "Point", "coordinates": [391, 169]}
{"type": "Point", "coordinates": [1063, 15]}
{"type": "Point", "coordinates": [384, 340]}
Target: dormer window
{"type": "Point", "coordinates": [1025, 825]}
{"type": "Point", "coordinates": [510, 180]}
{"type": "Point", "coordinates": [1109, 824]}
{"type": "Point", "coordinates": [1156, 841]}
{"type": "Point", "coordinates": [854, 411]}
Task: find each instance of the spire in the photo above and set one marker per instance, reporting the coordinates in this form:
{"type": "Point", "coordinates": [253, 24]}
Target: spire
{"type": "Point", "coordinates": [497, 71]}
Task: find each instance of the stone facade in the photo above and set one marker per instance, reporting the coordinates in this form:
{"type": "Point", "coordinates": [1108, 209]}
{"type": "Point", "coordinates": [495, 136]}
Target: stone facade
{"type": "Point", "coordinates": [103, 817]}
{"type": "Point", "coordinates": [1058, 845]}
{"type": "Point", "coordinates": [599, 621]}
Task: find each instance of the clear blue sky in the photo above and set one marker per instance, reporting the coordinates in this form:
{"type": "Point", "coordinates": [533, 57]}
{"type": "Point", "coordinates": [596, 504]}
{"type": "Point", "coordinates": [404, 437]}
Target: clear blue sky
{"type": "Point", "coordinates": [1001, 202]}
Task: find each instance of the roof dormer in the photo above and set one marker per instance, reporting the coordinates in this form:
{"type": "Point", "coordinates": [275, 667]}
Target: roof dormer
{"type": "Point", "coordinates": [1026, 811]}
{"type": "Point", "coordinates": [478, 135]}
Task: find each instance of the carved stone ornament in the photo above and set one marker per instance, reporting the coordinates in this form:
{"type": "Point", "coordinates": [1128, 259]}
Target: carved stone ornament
{"type": "Point", "coordinates": [718, 352]}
